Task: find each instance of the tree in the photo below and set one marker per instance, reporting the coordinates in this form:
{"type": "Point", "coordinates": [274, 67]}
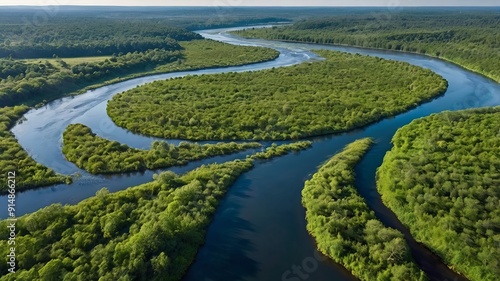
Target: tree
{"type": "Point", "coordinates": [52, 271]}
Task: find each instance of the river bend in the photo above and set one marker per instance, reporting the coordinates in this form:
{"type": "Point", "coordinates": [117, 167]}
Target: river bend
{"type": "Point", "coordinates": [258, 232]}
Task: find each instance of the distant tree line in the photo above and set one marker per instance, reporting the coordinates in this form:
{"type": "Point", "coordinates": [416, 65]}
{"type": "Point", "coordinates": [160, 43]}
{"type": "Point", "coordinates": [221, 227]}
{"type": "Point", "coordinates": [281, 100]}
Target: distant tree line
{"type": "Point", "coordinates": [32, 81]}
{"type": "Point", "coordinates": [468, 38]}
{"type": "Point", "coordinates": [84, 37]}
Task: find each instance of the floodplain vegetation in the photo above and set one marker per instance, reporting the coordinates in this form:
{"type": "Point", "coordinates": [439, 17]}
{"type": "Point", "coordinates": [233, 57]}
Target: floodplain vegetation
{"type": "Point", "coordinates": [442, 179]}
{"type": "Point", "coordinates": [342, 92]}
{"type": "Point", "coordinates": [344, 227]}
{"type": "Point", "coordinates": [468, 38]}
{"type": "Point", "coordinates": [147, 232]}
{"type": "Point", "coordinates": [133, 46]}
{"type": "Point", "coordinates": [47, 61]}
{"type": "Point", "coordinates": [206, 53]}
{"type": "Point", "coordinates": [30, 81]}
{"type": "Point", "coordinates": [13, 158]}
{"type": "Point", "coordinates": [99, 156]}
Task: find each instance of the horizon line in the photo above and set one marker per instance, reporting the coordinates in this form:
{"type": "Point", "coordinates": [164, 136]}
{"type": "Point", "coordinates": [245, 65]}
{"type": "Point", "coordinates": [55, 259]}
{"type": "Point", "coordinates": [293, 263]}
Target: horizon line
{"type": "Point", "coordinates": [257, 6]}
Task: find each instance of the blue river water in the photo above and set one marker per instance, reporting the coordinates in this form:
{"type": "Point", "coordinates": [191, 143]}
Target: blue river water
{"type": "Point", "coordinates": [258, 232]}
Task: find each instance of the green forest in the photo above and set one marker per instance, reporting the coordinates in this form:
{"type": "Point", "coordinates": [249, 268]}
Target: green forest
{"type": "Point", "coordinates": [342, 92]}
{"type": "Point", "coordinates": [31, 81]}
{"type": "Point", "coordinates": [188, 17]}
{"type": "Point", "coordinates": [29, 174]}
{"type": "Point", "coordinates": [90, 37]}
{"type": "Point", "coordinates": [442, 179]}
{"type": "Point", "coordinates": [468, 38]}
{"type": "Point", "coordinates": [98, 155]}
{"type": "Point", "coordinates": [147, 232]}
{"type": "Point", "coordinates": [40, 65]}
{"type": "Point", "coordinates": [344, 227]}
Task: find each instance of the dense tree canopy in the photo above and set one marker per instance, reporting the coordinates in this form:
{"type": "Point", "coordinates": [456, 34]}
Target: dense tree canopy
{"type": "Point", "coordinates": [13, 158]}
{"type": "Point", "coordinates": [468, 38]}
{"type": "Point", "coordinates": [346, 230]}
{"type": "Point", "coordinates": [147, 232]}
{"type": "Point", "coordinates": [98, 155]}
{"type": "Point", "coordinates": [26, 81]}
{"type": "Point", "coordinates": [442, 179]}
{"type": "Point", "coordinates": [141, 46]}
{"type": "Point", "coordinates": [199, 54]}
{"type": "Point", "coordinates": [89, 37]}
{"type": "Point", "coordinates": [343, 92]}
{"type": "Point", "coordinates": [38, 79]}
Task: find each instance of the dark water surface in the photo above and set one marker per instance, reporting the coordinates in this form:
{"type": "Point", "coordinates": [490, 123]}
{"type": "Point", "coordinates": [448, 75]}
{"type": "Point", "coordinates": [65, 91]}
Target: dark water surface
{"type": "Point", "coordinates": [258, 232]}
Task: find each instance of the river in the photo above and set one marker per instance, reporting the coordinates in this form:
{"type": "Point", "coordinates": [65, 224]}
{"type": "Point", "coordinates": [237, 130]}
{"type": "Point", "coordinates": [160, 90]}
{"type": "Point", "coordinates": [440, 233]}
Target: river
{"type": "Point", "coordinates": [258, 232]}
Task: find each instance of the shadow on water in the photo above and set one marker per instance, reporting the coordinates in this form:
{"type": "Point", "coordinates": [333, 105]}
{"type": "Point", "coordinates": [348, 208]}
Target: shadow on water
{"type": "Point", "coordinates": [228, 245]}
{"type": "Point", "coordinates": [276, 243]}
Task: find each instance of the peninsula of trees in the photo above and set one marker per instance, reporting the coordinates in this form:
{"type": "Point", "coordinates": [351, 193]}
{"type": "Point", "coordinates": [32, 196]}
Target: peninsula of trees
{"type": "Point", "coordinates": [99, 156]}
{"type": "Point", "coordinates": [278, 150]}
{"type": "Point", "coordinates": [342, 92]}
{"type": "Point", "coordinates": [344, 227]}
{"type": "Point", "coordinates": [13, 158]}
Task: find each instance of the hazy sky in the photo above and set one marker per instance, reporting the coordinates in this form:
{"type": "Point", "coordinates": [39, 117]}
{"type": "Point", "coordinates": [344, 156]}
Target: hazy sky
{"type": "Point", "coordinates": [382, 3]}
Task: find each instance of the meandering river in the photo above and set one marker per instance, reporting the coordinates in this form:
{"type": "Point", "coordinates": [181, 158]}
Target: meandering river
{"type": "Point", "coordinates": [258, 232]}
